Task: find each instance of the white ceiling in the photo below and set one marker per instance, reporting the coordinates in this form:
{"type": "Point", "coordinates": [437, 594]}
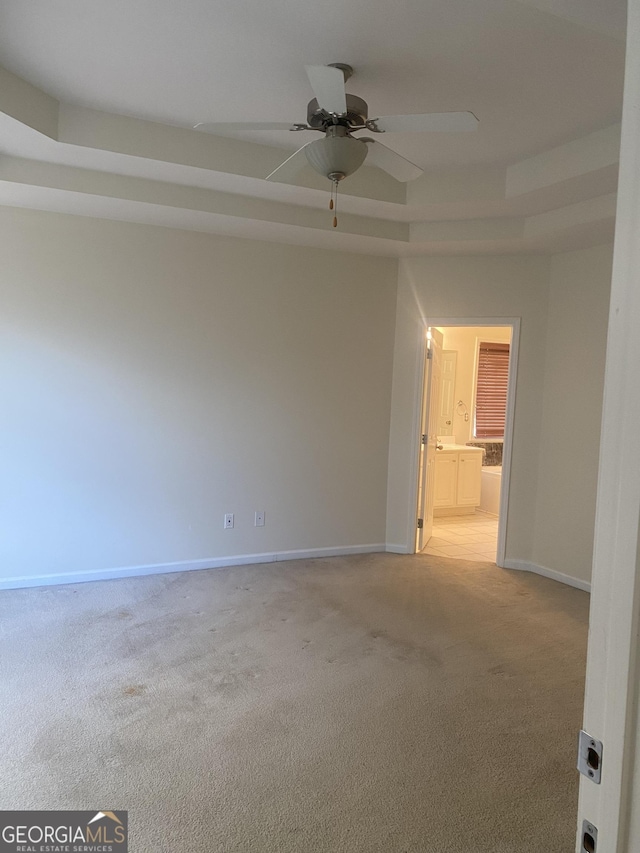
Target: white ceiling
{"type": "Point", "coordinates": [538, 74]}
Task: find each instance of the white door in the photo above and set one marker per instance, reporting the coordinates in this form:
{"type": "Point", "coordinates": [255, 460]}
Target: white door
{"type": "Point", "coordinates": [612, 706]}
{"type": "Point", "coordinates": [449, 363]}
{"type": "Point", "coordinates": [428, 436]}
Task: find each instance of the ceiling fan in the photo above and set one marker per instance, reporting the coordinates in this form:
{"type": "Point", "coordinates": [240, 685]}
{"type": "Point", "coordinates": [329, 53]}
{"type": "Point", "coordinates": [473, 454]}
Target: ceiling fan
{"type": "Point", "coordinates": [338, 115]}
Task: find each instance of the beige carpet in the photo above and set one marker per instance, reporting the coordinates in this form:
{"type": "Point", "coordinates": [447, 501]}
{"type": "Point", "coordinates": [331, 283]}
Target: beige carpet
{"type": "Point", "coordinates": [371, 704]}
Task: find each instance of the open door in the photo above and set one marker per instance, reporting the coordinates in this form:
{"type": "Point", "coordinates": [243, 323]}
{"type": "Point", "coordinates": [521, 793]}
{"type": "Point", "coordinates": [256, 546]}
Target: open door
{"type": "Point", "coordinates": [428, 436]}
{"type": "Point", "coordinates": [609, 808]}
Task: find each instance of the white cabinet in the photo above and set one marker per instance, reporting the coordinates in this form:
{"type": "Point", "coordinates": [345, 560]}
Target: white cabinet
{"type": "Point", "coordinates": [457, 480]}
{"type": "Point", "coordinates": [469, 479]}
{"type": "Point", "coordinates": [446, 484]}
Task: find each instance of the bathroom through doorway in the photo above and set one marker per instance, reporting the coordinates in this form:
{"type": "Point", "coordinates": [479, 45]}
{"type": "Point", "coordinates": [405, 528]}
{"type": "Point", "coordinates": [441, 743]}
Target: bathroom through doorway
{"type": "Point", "coordinates": [471, 384]}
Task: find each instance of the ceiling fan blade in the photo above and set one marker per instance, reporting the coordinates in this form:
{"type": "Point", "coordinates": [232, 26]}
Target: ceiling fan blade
{"type": "Point", "coordinates": [287, 171]}
{"type": "Point", "coordinates": [235, 126]}
{"type": "Point", "coordinates": [391, 162]}
{"type": "Point", "coordinates": [433, 122]}
{"type": "Point", "coordinates": [328, 87]}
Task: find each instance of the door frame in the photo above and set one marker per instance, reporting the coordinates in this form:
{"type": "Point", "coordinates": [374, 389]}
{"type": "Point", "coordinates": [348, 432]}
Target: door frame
{"type": "Point", "coordinates": [426, 452]}
{"type": "Point", "coordinates": [514, 324]}
{"type": "Point", "coordinates": [612, 703]}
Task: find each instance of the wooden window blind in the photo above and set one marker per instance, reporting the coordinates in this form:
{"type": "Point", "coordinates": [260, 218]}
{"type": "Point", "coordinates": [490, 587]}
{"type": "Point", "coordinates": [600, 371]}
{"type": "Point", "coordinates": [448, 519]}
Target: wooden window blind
{"type": "Point", "coordinates": [491, 390]}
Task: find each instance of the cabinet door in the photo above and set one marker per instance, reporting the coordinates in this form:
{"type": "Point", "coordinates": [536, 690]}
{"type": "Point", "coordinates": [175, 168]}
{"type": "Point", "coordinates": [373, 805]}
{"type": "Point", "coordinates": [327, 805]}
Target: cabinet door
{"type": "Point", "coordinates": [446, 479]}
{"type": "Point", "coordinates": [469, 479]}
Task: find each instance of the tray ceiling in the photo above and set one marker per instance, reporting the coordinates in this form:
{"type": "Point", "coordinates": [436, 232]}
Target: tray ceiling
{"type": "Point", "coordinates": [126, 81]}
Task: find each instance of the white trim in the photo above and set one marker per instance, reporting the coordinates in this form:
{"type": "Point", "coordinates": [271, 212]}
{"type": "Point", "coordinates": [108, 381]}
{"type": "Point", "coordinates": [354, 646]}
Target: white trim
{"type": "Point", "coordinates": [255, 559]}
{"type": "Point", "coordinates": [187, 566]}
{"type": "Point", "coordinates": [508, 442]}
{"type": "Point", "coordinates": [410, 547]}
{"type": "Point", "coordinates": [613, 664]}
{"type": "Point", "coordinates": [398, 549]}
{"type": "Point", "coordinates": [525, 566]}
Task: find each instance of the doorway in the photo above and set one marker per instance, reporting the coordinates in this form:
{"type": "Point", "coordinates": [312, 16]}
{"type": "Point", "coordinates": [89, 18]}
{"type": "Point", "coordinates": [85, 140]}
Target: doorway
{"type": "Point", "coordinates": [468, 400]}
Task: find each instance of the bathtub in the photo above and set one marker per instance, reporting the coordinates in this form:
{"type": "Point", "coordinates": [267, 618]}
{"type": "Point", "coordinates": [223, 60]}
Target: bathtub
{"type": "Point", "coordinates": [491, 478]}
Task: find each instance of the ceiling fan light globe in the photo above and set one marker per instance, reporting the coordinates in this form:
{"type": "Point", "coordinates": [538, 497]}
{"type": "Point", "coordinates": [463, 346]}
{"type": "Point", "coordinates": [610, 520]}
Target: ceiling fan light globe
{"type": "Point", "coordinates": [336, 155]}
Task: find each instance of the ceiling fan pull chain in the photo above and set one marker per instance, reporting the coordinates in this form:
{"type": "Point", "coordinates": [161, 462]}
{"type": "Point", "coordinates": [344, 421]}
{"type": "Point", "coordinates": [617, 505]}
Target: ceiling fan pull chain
{"type": "Point", "coordinates": [334, 205]}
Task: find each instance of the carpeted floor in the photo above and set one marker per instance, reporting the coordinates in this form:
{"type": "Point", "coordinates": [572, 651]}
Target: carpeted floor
{"type": "Point", "coordinates": [369, 704]}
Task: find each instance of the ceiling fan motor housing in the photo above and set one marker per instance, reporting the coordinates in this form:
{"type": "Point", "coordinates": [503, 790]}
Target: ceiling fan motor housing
{"type": "Point", "coordinates": [356, 115]}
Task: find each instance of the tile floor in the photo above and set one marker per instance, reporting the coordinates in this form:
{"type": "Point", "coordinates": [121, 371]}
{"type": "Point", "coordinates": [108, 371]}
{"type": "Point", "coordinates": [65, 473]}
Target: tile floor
{"type": "Point", "coordinates": [468, 537]}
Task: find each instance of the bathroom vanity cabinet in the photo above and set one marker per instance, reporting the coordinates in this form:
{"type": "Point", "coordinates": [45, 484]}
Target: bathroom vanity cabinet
{"type": "Point", "coordinates": [457, 479]}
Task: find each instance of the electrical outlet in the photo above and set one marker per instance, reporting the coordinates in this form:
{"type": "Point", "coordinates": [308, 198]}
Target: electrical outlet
{"type": "Point", "coordinates": [259, 521]}
{"type": "Point", "coordinates": [228, 520]}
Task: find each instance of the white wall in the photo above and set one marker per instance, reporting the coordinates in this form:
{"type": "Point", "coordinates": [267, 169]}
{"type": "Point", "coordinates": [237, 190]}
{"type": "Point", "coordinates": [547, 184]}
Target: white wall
{"type": "Point", "coordinates": [154, 379]}
{"type": "Point", "coordinates": [473, 288]}
{"type": "Point", "coordinates": [464, 341]}
{"type": "Point", "coordinates": [571, 410]}
{"type": "Point", "coordinates": [563, 304]}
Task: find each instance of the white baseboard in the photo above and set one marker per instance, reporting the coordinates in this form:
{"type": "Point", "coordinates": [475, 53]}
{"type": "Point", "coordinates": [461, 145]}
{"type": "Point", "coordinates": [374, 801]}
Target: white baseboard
{"type": "Point", "coordinates": [397, 549]}
{"type": "Point", "coordinates": [524, 566]}
{"type": "Point", "coordinates": [185, 566]}
{"type": "Point", "coordinates": [249, 559]}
